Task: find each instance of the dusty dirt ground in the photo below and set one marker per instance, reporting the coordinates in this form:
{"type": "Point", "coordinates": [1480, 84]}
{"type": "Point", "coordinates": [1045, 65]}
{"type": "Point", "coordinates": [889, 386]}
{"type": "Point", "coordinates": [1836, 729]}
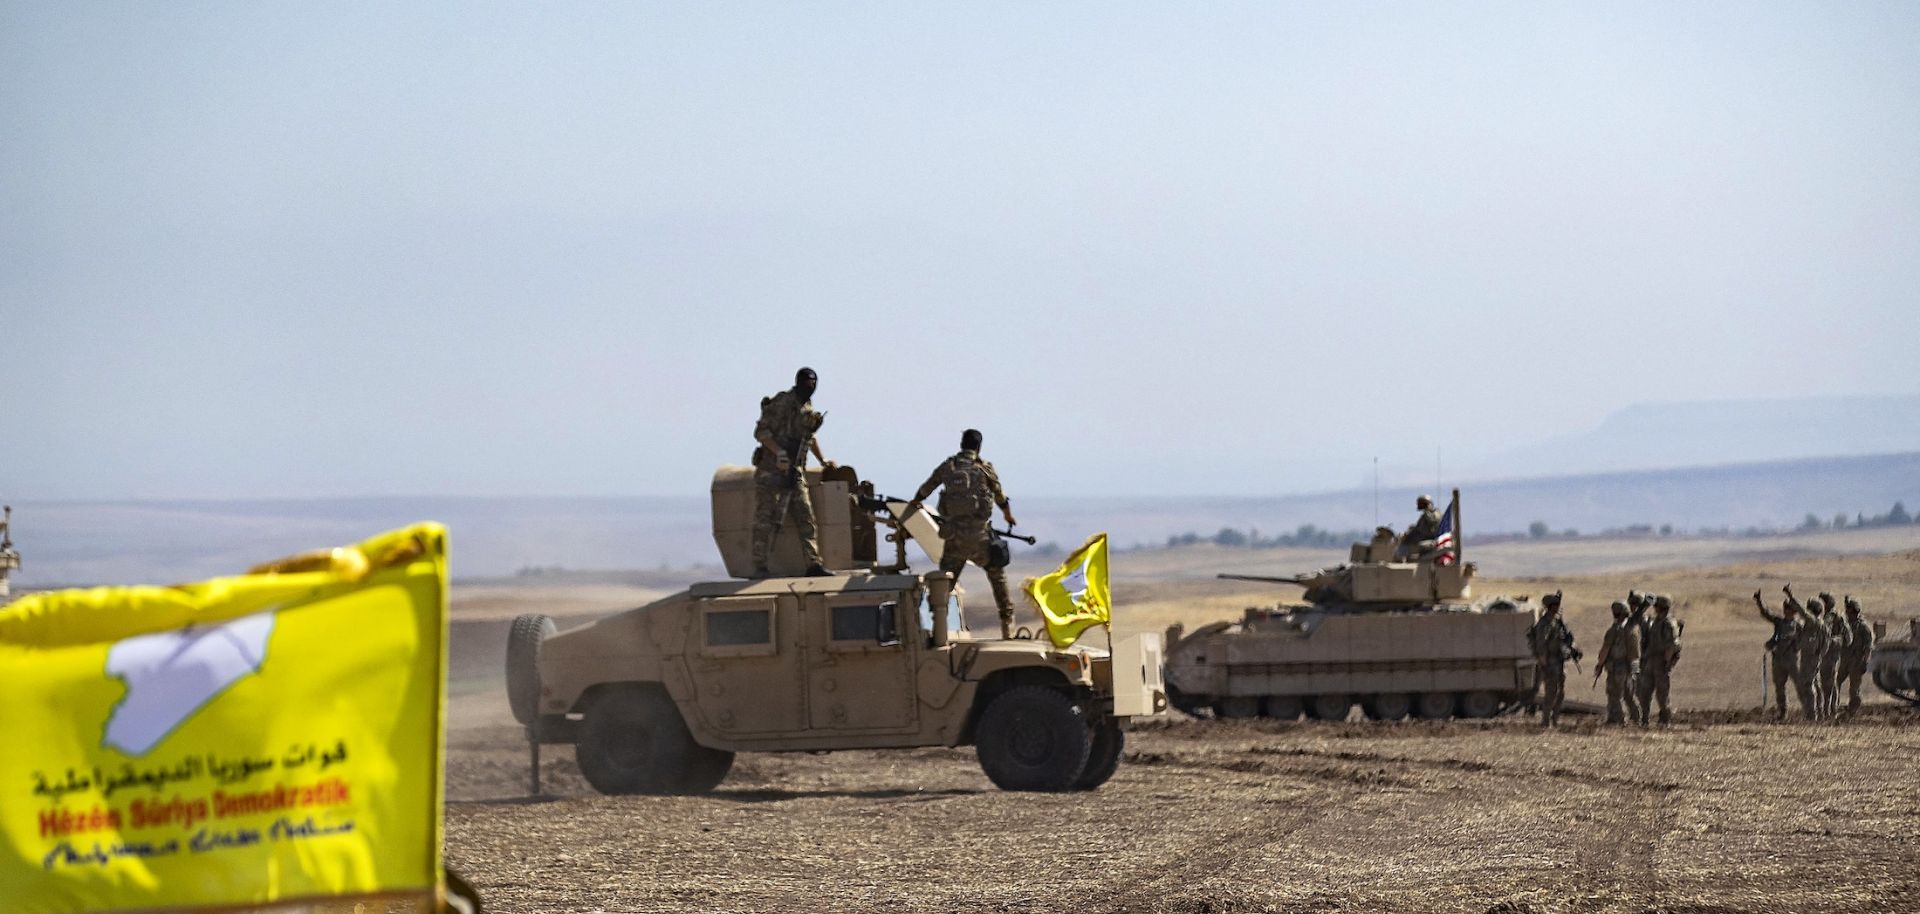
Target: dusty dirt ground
{"type": "Point", "coordinates": [1726, 811]}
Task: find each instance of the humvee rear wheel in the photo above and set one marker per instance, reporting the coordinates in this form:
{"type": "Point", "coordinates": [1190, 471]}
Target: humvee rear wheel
{"type": "Point", "coordinates": [1479, 704]}
{"type": "Point", "coordinates": [1033, 738]}
{"type": "Point", "coordinates": [1434, 705]}
{"type": "Point", "coordinates": [1282, 707]}
{"type": "Point", "coordinates": [1109, 741]}
{"type": "Point", "coordinates": [632, 740]}
{"type": "Point", "coordinates": [1388, 706]}
{"type": "Point", "coordinates": [1333, 706]}
{"type": "Point", "coordinates": [1237, 706]}
{"type": "Point", "coordinates": [523, 664]}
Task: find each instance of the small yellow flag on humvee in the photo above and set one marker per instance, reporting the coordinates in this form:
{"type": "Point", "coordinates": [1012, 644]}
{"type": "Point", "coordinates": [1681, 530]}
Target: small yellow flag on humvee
{"type": "Point", "coordinates": [1074, 597]}
{"type": "Point", "coordinates": [261, 739]}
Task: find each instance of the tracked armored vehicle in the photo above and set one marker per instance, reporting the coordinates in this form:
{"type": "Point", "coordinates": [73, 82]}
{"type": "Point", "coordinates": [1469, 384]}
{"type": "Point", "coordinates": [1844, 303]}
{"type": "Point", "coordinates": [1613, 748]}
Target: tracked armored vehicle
{"type": "Point", "coordinates": [658, 699]}
{"type": "Point", "coordinates": [1394, 634]}
{"type": "Point", "coordinates": [1895, 665]}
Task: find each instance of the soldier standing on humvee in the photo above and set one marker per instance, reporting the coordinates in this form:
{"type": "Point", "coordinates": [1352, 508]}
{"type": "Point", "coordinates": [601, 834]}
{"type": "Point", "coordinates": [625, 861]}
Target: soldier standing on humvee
{"type": "Point", "coordinates": [1785, 649]}
{"type": "Point", "coordinates": [1552, 644]}
{"type": "Point", "coordinates": [1419, 537]}
{"type": "Point", "coordinates": [1660, 650]}
{"type": "Point", "coordinates": [1619, 652]}
{"type": "Point", "coordinates": [1853, 665]}
{"type": "Point", "coordinates": [1838, 636]}
{"type": "Point", "coordinates": [785, 432]}
{"type": "Point", "coordinates": [969, 491]}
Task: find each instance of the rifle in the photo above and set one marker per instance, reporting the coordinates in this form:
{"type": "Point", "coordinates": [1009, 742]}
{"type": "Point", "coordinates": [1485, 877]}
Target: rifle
{"type": "Point", "coordinates": [1009, 534]}
{"type": "Point", "coordinates": [796, 477]}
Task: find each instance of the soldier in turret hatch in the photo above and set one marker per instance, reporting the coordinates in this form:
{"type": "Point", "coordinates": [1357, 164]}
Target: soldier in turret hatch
{"type": "Point", "coordinates": [1419, 537]}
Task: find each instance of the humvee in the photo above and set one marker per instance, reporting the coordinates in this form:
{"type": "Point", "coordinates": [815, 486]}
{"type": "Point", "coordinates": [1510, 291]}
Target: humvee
{"type": "Point", "coordinates": [658, 699]}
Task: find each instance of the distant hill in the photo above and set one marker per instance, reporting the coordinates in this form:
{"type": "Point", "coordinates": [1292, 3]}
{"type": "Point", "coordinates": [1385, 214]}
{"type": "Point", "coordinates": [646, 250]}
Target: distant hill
{"type": "Point", "coordinates": [163, 542]}
{"type": "Point", "coordinates": [1708, 433]}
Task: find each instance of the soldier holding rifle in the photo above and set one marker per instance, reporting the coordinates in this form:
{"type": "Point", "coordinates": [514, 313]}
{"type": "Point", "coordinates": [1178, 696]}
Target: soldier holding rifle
{"type": "Point", "coordinates": [786, 433]}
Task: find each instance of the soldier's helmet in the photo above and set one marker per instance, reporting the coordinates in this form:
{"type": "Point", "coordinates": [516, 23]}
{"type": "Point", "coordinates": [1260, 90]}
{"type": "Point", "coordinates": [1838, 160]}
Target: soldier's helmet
{"type": "Point", "coordinates": [1853, 605]}
{"type": "Point", "coordinates": [1662, 602]}
{"type": "Point", "coordinates": [1551, 601]}
{"type": "Point", "coordinates": [1619, 610]}
{"type": "Point", "coordinates": [1423, 502]}
{"type": "Point", "coordinates": [804, 377]}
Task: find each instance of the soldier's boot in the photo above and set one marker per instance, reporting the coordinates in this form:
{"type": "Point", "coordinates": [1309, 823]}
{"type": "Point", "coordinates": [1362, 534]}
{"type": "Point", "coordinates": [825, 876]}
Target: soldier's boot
{"type": "Point", "coordinates": [817, 570]}
{"type": "Point", "coordinates": [1666, 718]}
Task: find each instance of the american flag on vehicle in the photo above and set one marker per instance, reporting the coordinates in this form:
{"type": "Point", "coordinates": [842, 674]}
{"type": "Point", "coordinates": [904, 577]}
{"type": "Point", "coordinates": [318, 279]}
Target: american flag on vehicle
{"type": "Point", "coordinates": [1443, 540]}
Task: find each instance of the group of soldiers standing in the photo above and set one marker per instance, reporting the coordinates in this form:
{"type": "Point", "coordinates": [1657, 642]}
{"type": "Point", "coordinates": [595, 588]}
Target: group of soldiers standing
{"type": "Point", "coordinates": [1812, 647]}
{"type": "Point", "coordinates": [1817, 650]}
{"type": "Point", "coordinates": [1637, 657]}
{"type": "Point", "coordinates": [788, 431]}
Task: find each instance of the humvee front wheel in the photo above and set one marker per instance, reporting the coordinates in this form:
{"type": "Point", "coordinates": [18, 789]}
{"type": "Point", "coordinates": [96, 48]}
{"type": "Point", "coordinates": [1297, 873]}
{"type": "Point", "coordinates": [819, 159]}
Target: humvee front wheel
{"type": "Point", "coordinates": [632, 740]}
{"type": "Point", "coordinates": [1033, 738]}
{"type": "Point", "coordinates": [1109, 741]}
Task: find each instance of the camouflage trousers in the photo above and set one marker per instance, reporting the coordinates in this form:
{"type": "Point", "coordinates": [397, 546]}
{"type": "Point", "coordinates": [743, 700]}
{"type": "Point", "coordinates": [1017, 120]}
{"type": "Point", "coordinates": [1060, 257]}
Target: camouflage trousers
{"type": "Point", "coordinates": [1787, 669]}
{"type": "Point", "coordinates": [1654, 684]}
{"type": "Point", "coordinates": [963, 542]}
{"type": "Point", "coordinates": [768, 490]}
{"type": "Point", "coordinates": [1830, 685]}
{"type": "Point", "coordinates": [1553, 687]}
{"type": "Point", "coordinates": [1853, 670]}
{"type": "Point", "coordinates": [1620, 677]}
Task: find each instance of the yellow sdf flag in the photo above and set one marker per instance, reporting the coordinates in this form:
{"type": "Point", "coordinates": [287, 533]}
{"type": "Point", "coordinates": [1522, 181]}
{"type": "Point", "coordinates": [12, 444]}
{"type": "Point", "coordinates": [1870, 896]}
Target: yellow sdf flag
{"type": "Point", "coordinates": [246, 741]}
{"type": "Point", "coordinates": [1075, 597]}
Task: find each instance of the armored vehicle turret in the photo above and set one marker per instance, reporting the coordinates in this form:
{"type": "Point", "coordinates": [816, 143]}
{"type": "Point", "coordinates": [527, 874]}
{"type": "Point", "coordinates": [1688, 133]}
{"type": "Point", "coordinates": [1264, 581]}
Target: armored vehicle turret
{"type": "Point", "coordinates": [1395, 631]}
{"type": "Point", "coordinates": [659, 698]}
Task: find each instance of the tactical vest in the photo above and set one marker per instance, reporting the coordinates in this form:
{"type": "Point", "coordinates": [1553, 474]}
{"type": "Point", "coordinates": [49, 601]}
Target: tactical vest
{"type": "Point", "coordinates": [966, 494]}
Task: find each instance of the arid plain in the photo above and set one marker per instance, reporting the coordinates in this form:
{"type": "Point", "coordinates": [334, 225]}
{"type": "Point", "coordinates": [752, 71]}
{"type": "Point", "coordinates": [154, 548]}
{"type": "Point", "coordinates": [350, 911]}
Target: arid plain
{"type": "Point", "coordinates": [1725, 811]}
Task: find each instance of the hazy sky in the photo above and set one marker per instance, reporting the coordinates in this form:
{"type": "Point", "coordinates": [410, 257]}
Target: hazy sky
{"type": "Point", "coordinates": [284, 250]}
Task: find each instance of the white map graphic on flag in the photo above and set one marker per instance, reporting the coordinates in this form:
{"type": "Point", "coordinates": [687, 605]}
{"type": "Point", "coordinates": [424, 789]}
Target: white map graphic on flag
{"type": "Point", "coordinates": [171, 675]}
{"type": "Point", "coordinates": [1075, 583]}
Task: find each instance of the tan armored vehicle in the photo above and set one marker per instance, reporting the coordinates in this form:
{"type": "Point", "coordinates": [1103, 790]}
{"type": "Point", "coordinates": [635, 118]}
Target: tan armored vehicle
{"type": "Point", "coordinates": [1397, 638]}
{"type": "Point", "coordinates": [659, 698]}
{"type": "Point", "coordinates": [1895, 665]}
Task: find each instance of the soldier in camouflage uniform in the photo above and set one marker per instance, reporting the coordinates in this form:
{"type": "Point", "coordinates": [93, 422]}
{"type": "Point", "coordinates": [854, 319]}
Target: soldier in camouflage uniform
{"type": "Point", "coordinates": [1784, 647]}
{"type": "Point", "coordinates": [1419, 537]}
{"type": "Point", "coordinates": [1659, 651]}
{"type": "Point", "coordinates": [1619, 660]}
{"type": "Point", "coordinates": [1813, 650]}
{"type": "Point", "coordinates": [786, 433]}
{"type": "Point", "coordinates": [969, 491]}
{"type": "Point", "coordinates": [1838, 635]}
{"type": "Point", "coordinates": [1853, 663]}
{"type": "Point", "coordinates": [1638, 691]}
{"type": "Point", "coordinates": [1552, 644]}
